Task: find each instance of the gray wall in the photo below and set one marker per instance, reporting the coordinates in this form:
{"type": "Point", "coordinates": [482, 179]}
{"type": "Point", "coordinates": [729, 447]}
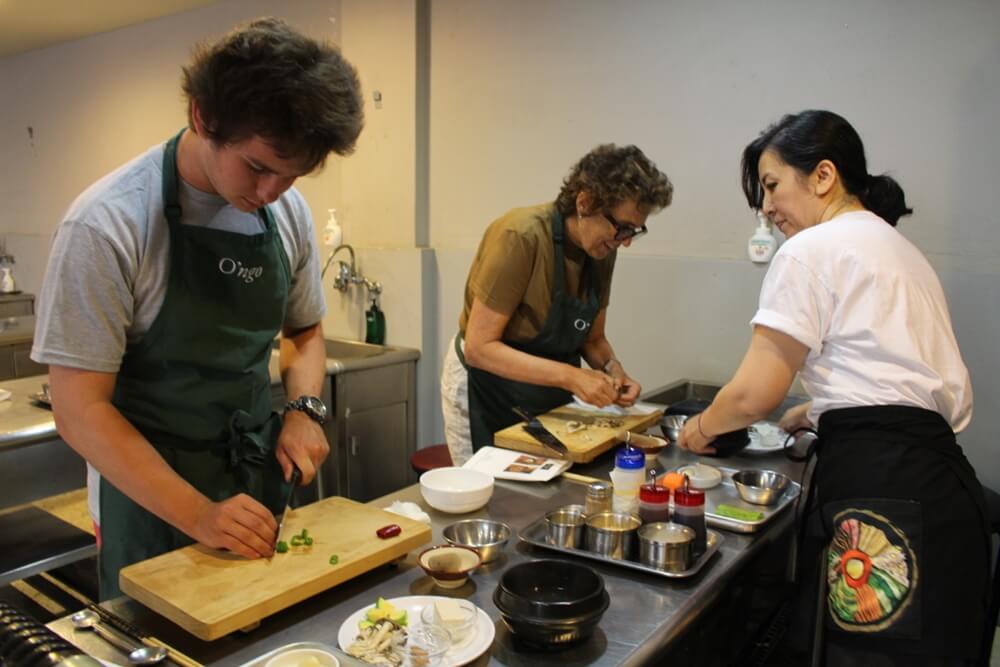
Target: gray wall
{"type": "Point", "coordinates": [519, 90]}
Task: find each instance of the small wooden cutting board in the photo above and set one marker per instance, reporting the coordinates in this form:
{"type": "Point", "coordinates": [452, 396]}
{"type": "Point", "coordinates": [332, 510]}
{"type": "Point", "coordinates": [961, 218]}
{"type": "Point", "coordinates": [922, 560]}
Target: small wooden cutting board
{"type": "Point", "coordinates": [584, 445]}
{"type": "Point", "coordinates": [211, 593]}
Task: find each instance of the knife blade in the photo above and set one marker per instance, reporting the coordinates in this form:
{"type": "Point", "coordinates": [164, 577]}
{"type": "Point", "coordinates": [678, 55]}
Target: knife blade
{"type": "Point", "coordinates": [296, 478]}
{"type": "Point", "coordinates": [538, 431]}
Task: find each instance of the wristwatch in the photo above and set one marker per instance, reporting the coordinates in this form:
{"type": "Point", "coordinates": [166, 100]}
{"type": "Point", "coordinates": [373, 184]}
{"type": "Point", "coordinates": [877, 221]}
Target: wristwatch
{"type": "Point", "coordinates": [310, 405]}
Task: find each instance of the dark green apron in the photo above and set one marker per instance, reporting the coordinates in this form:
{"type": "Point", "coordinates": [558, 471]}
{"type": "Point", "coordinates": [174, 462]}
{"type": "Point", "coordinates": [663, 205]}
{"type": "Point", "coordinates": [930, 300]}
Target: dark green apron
{"type": "Point", "coordinates": [197, 384]}
{"type": "Point", "coordinates": [566, 326]}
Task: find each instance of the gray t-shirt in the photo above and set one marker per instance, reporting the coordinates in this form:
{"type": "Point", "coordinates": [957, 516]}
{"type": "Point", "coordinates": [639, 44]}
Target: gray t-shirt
{"type": "Point", "coordinates": [109, 266]}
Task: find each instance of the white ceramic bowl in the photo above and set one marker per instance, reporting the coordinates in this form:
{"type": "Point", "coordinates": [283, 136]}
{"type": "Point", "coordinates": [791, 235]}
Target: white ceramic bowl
{"type": "Point", "coordinates": [303, 656]}
{"type": "Point", "coordinates": [702, 476]}
{"type": "Point", "coordinates": [456, 490]}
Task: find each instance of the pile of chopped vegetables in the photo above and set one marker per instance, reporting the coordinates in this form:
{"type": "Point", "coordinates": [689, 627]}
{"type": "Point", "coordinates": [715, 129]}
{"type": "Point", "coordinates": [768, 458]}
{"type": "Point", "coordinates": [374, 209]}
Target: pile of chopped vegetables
{"type": "Point", "coordinates": [381, 635]}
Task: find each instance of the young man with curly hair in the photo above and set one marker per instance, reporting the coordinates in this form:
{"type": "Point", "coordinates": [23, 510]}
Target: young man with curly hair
{"type": "Point", "coordinates": [169, 280]}
{"type": "Point", "coordinates": [536, 300]}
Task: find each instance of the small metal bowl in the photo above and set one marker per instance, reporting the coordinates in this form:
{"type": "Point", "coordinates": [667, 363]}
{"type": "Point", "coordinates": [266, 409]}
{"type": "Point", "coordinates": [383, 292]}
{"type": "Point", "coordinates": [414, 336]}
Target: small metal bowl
{"type": "Point", "coordinates": [485, 536]}
{"type": "Point", "coordinates": [671, 427]}
{"type": "Point", "coordinates": [760, 487]}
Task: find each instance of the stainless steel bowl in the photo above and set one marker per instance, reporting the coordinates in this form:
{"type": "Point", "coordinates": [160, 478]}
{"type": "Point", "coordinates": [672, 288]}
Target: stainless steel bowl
{"type": "Point", "coordinates": [565, 526]}
{"type": "Point", "coordinates": [671, 427]}
{"type": "Point", "coordinates": [760, 487]}
{"type": "Point", "coordinates": [666, 546]}
{"type": "Point", "coordinates": [612, 534]}
{"type": "Point", "coordinates": [485, 536]}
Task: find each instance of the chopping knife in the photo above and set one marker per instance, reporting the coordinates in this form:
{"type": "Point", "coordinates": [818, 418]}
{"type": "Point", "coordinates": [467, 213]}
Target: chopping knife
{"type": "Point", "coordinates": [296, 478]}
{"type": "Point", "coordinates": [538, 431]}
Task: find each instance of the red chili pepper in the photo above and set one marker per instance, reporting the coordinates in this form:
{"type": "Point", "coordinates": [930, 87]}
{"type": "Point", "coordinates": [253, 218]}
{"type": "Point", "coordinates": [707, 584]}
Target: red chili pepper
{"type": "Point", "coordinates": [392, 530]}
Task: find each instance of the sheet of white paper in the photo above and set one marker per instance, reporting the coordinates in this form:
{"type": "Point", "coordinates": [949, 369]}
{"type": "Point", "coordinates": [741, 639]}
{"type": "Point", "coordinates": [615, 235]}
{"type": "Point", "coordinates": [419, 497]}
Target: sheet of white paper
{"type": "Point", "coordinates": [615, 410]}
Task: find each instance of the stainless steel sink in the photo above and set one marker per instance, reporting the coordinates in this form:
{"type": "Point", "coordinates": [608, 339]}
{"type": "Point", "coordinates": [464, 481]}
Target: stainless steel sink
{"type": "Point", "coordinates": [350, 349]}
{"type": "Point", "coordinates": [682, 390]}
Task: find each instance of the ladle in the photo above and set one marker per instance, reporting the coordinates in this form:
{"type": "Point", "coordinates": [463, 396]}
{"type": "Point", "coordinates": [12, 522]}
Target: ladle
{"type": "Point", "coordinates": [86, 619]}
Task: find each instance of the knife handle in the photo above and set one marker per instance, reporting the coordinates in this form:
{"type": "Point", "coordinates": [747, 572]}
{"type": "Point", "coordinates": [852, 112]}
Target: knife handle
{"type": "Point", "coordinates": [522, 413]}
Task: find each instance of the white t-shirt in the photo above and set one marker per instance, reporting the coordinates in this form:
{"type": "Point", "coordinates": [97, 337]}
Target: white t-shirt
{"type": "Point", "coordinates": [871, 310]}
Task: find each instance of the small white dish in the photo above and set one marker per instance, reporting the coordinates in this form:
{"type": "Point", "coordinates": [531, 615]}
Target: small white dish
{"type": "Point", "coordinates": [765, 437]}
{"type": "Point", "coordinates": [702, 476]}
{"type": "Point", "coordinates": [456, 490]}
{"type": "Point", "coordinates": [303, 657]}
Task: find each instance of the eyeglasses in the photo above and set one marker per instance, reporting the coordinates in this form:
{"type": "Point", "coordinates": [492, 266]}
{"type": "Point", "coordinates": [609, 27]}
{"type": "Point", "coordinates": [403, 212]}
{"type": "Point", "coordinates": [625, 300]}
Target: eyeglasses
{"type": "Point", "coordinates": [623, 230]}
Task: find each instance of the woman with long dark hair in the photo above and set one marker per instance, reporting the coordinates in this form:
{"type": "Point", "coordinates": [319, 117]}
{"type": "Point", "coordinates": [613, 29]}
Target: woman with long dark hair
{"type": "Point", "coordinates": [896, 522]}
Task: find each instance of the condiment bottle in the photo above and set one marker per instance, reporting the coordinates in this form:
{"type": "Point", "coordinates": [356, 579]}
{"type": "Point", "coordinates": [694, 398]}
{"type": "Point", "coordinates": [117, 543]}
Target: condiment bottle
{"type": "Point", "coordinates": [630, 467]}
{"type": "Point", "coordinates": [689, 510]}
{"type": "Point", "coordinates": [598, 498]}
{"type": "Point", "coordinates": [654, 503]}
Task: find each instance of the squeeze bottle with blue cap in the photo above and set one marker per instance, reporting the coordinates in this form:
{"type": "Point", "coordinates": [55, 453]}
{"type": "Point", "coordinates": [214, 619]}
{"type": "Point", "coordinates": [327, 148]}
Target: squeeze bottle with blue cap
{"type": "Point", "coordinates": [627, 477]}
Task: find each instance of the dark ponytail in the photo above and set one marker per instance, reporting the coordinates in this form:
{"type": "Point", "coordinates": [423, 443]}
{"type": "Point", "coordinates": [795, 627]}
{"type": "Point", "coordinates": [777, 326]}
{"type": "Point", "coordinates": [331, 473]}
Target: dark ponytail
{"type": "Point", "coordinates": [883, 197]}
{"type": "Point", "coordinates": [804, 139]}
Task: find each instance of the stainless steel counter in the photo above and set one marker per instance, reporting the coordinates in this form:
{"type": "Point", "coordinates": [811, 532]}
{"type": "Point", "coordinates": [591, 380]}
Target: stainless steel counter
{"type": "Point", "coordinates": [24, 422]}
{"type": "Point", "coordinates": [647, 613]}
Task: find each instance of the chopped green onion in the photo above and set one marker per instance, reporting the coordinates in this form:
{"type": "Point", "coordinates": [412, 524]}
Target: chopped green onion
{"type": "Point", "coordinates": [334, 559]}
{"type": "Point", "coordinates": [282, 547]}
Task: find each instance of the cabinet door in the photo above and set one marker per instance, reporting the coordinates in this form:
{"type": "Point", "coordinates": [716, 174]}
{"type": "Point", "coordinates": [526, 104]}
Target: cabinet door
{"type": "Point", "coordinates": [6, 362]}
{"type": "Point", "coordinates": [378, 459]}
{"type": "Point", "coordinates": [23, 365]}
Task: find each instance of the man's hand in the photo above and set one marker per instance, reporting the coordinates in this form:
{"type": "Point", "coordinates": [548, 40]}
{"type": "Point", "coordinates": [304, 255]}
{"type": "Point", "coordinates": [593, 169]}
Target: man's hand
{"type": "Point", "coordinates": [303, 442]}
{"type": "Point", "coordinates": [239, 524]}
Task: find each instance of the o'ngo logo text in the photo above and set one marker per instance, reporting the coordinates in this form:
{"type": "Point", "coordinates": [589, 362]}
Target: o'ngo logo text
{"type": "Point", "coordinates": [229, 266]}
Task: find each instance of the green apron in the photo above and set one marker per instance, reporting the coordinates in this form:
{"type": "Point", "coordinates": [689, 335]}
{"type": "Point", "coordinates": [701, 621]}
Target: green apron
{"type": "Point", "coordinates": [566, 326]}
{"type": "Point", "coordinates": [197, 384]}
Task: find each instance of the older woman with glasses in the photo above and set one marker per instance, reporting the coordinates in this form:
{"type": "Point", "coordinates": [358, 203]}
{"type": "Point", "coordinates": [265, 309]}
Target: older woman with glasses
{"type": "Point", "coordinates": [536, 300]}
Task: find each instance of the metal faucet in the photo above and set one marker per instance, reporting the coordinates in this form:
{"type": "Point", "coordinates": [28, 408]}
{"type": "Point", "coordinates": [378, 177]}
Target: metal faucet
{"type": "Point", "coordinates": [348, 275]}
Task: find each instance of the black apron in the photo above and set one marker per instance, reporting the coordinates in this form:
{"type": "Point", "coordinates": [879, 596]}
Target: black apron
{"type": "Point", "coordinates": [197, 384]}
{"type": "Point", "coordinates": [491, 397]}
{"type": "Point", "coordinates": [903, 520]}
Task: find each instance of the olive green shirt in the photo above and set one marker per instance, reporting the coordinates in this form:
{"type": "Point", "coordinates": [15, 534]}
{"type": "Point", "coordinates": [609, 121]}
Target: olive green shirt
{"type": "Point", "coordinates": [513, 269]}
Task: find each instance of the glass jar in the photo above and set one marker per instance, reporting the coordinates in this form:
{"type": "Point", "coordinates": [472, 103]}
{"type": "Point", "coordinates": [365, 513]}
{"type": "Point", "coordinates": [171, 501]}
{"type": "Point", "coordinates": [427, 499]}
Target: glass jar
{"type": "Point", "coordinates": [598, 498]}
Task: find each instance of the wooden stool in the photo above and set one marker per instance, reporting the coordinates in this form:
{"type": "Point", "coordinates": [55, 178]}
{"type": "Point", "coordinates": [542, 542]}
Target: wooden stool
{"type": "Point", "coordinates": [428, 458]}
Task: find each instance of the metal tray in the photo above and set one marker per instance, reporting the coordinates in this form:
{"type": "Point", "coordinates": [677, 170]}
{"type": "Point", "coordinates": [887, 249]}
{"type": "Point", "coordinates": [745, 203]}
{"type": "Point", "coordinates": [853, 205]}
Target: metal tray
{"type": "Point", "coordinates": [535, 534]}
{"type": "Point", "coordinates": [726, 494]}
{"type": "Point", "coordinates": [345, 660]}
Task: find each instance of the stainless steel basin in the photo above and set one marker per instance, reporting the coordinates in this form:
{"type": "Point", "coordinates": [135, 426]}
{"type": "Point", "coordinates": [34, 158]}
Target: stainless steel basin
{"type": "Point", "coordinates": [350, 349]}
{"type": "Point", "coordinates": [682, 390]}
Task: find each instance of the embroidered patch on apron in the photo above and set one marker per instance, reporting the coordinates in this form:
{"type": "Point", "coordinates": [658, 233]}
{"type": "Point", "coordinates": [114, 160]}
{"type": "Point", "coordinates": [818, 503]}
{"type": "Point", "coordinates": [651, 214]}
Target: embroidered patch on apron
{"type": "Point", "coordinates": [872, 569]}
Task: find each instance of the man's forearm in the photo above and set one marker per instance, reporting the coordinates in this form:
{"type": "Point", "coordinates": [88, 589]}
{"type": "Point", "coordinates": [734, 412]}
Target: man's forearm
{"type": "Point", "coordinates": [303, 361]}
{"type": "Point", "coordinates": [102, 436]}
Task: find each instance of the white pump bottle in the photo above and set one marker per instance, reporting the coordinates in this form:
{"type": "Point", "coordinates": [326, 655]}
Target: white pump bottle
{"type": "Point", "coordinates": [333, 234]}
{"type": "Point", "coordinates": [762, 244]}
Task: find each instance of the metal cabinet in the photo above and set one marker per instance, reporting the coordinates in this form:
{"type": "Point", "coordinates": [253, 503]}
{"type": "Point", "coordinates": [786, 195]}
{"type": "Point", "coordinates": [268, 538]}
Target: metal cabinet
{"type": "Point", "coordinates": [373, 431]}
{"type": "Point", "coordinates": [15, 305]}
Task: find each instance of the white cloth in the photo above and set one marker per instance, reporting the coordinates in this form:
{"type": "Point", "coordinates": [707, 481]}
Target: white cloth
{"type": "Point", "coordinates": [455, 406]}
{"type": "Point", "coordinates": [872, 312]}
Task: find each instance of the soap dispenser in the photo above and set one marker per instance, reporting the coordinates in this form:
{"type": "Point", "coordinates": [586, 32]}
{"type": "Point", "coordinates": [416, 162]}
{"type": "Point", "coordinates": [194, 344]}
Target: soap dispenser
{"type": "Point", "coordinates": [762, 244]}
{"type": "Point", "coordinates": [333, 235]}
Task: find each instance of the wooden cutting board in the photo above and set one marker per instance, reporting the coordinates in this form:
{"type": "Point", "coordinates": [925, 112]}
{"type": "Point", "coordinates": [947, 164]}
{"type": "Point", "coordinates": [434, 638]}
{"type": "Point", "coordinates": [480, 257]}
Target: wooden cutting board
{"type": "Point", "coordinates": [584, 445]}
{"type": "Point", "coordinates": [211, 593]}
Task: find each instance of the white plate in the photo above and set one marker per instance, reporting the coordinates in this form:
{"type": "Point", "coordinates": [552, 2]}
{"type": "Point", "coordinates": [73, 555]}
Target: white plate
{"type": "Point", "coordinates": [766, 437]}
{"type": "Point", "coordinates": [457, 655]}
